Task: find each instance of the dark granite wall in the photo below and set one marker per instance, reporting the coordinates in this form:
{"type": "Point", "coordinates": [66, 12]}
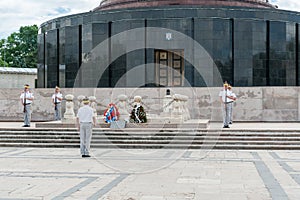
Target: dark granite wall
{"type": "Point", "coordinates": [250, 47]}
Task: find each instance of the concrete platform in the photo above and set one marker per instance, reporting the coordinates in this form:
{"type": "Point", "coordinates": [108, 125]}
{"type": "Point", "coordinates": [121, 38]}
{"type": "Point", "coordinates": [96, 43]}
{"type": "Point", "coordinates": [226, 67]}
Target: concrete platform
{"type": "Point", "coordinates": [117, 174]}
{"type": "Point", "coordinates": [203, 124]}
{"type": "Point", "coordinates": [237, 126]}
{"type": "Point", "coordinates": [152, 174]}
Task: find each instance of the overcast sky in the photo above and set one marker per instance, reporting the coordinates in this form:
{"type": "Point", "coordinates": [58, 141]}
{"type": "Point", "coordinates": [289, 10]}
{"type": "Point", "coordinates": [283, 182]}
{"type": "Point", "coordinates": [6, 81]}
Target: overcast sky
{"type": "Point", "coordinates": [17, 13]}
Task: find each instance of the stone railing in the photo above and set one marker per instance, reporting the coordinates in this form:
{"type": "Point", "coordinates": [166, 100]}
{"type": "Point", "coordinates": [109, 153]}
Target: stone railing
{"type": "Point", "coordinates": [253, 103]}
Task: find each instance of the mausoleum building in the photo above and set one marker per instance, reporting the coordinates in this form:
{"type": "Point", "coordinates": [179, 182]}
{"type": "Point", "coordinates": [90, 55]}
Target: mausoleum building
{"type": "Point", "coordinates": [171, 43]}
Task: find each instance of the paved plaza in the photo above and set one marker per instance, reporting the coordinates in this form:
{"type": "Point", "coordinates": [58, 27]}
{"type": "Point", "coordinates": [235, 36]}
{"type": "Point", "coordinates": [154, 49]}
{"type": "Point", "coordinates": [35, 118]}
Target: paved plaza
{"type": "Point", "coordinates": [120, 174]}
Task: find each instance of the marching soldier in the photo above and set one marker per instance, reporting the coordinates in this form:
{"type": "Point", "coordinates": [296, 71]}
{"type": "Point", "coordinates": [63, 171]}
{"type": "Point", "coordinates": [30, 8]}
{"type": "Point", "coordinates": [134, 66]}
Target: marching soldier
{"type": "Point", "coordinates": [26, 100]}
{"type": "Point", "coordinates": [56, 100]}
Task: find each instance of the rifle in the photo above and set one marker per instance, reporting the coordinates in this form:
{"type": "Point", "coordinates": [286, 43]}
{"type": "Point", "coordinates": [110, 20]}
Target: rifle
{"type": "Point", "coordinates": [55, 103]}
{"type": "Point", "coordinates": [24, 102]}
{"type": "Point", "coordinates": [225, 96]}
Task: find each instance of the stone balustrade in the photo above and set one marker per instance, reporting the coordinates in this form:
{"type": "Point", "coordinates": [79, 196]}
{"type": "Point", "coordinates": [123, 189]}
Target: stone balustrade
{"type": "Point", "coordinates": [253, 104]}
{"type": "Point", "coordinates": [69, 114]}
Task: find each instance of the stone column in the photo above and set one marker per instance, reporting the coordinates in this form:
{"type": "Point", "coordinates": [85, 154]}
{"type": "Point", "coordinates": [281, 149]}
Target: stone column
{"type": "Point", "coordinates": [179, 108]}
{"type": "Point", "coordinates": [167, 101]}
{"type": "Point", "coordinates": [167, 108]}
{"type": "Point", "coordinates": [176, 112]}
{"type": "Point", "coordinates": [69, 115]}
{"type": "Point", "coordinates": [93, 104]}
{"type": "Point", "coordinates": [186, 112]}
{"type": "Point", "coordinates": [122, 107]}
{"type": "Point", "coordinates": [80, 98]}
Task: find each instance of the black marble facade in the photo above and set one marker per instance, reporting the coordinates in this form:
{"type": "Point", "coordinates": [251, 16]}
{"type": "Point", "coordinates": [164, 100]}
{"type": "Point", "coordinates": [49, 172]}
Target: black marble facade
{"type": "Point", "coordinates": [250, 46]}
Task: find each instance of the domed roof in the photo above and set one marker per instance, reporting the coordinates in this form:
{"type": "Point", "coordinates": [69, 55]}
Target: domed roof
{"type": "Point", "coordinates": [119, 4]}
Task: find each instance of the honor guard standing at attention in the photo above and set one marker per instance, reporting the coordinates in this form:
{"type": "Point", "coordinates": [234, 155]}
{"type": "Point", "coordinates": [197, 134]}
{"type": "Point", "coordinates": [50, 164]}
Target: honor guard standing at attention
{"type": "Point", "coordinates": [26, 100]}
{"type": "Point", "coordinates": [85, 121]}
{"type": "Point", "coordinates": [225, 100]}
{"type": "Point", "coordinates": [232, 98]}
{"type": "Point", "coordinates": [56, 100]}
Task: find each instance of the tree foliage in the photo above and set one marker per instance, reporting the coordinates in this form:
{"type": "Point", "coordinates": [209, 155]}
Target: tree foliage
{"type": "Point", "coordinates": [20, 48]}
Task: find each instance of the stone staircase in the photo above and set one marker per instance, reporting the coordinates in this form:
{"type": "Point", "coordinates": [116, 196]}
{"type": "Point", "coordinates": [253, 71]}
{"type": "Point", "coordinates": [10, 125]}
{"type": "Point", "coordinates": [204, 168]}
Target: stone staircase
{"type": "Point", "coordinates": [168, 138]}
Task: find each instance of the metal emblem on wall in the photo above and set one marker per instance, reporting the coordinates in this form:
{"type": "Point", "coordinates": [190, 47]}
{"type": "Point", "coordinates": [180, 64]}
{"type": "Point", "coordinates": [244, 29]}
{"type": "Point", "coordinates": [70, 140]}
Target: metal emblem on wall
{"type": "Point", "coordinates": [169, 36]}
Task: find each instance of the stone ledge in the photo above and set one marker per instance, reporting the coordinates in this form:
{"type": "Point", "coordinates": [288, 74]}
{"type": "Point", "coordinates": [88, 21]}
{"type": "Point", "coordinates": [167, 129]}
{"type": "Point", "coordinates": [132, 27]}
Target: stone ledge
{"type": "Point", "coordinates": [203, 124]}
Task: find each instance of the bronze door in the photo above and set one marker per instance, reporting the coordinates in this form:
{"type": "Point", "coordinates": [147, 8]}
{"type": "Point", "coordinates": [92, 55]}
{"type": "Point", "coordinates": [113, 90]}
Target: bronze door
{"type": "Point", "coordinates": [169, 67]}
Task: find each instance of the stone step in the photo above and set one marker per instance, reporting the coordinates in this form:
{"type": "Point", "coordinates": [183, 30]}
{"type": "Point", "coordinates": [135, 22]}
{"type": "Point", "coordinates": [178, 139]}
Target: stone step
{"type": "Point", "coordinates": [151, 146]}
{"type": "Point", "coordinates": [154, 142]}
{"type": "Point", "coordinates": [195, 142]}
{"type": "Point", "coordinates": [38, 140]}
{"type": "Point", "coordinates": [198, 146]}
{"type": "Point", "coordinates": [40, 145]}
{"type": "Point", "coordinates": [195, 123]}
{"type": "Point", "coordinates": [151, 137]}
{"type": "Point", "coordinates": [199, 135]}
{"type": "Point", "coordinates": [149, 132]}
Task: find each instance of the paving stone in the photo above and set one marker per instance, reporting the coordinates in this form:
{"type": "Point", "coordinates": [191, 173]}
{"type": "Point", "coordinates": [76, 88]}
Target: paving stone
{"type": "Point", "coordinates": [152, 198]}
{"type": "Point", "coordinates": [34, 173]}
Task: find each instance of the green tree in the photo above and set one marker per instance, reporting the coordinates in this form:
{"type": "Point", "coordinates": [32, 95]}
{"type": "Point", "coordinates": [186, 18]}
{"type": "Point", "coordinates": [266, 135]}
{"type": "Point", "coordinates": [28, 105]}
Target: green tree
{"type": "Point", "coordinates": [2, 53]}
{"type": "Point", "coordinates": [20, 48]}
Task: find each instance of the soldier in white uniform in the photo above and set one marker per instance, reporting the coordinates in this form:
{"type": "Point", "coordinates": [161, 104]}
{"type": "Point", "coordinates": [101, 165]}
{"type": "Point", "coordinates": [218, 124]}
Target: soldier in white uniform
{"type": "Point", "coordinates": [85, 121]}
{"type": "Point", "coordinates": [56, 100]}
{"type": "Point", "coordinates": [225, 100]}
{"type": "Point", "coordinates": [232, 98]}
{"type": "Point", "coordinates": [26, 100]}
